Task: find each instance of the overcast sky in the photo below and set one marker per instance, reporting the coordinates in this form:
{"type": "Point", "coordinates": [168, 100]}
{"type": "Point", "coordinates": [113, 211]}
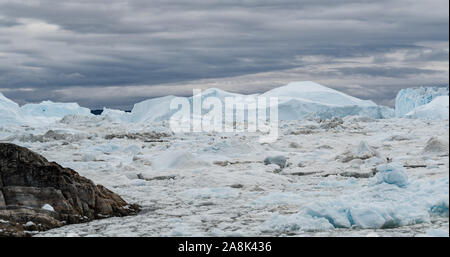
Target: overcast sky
{"type": "Point", "coordinates": [115, 53]}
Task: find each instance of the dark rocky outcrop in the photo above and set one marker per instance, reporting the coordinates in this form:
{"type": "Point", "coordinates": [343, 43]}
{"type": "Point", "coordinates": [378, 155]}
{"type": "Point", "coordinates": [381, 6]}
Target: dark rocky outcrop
{"type": "Point", "coordinates": [28, 182]}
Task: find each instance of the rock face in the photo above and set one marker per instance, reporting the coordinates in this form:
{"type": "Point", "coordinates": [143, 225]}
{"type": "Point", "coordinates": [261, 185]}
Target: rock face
{"type": "Point", "coordinates": [28, 182]}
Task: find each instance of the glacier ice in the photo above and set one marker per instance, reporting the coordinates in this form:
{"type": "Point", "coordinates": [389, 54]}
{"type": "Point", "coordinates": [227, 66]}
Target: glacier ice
{"type": "Point", "coordinates": [279, 160]}
{"type": "Point", "coordinates": [392, 173]}
{"type": "Point", "coordinates": [364, 151]}
{"type": "Point", "coordinates": [437, 109]}
{"type": "Point", "coordinates": [311, 92]}
{"type": "Point", "coordinates": [9, 111]}
{"type": "Point", "coordinates": [297, 101]}
{"type": "Point", "coordinates": [295, 222]}
{"type": "Point", "coordinates": [379, 206]}
{"type": "Point", "coordinates": [152, 110]}
{"type": "Point", "coordinates": [367, 217]}
{"type": "Point", "coordinates": [301, 100]}
{"type": "Point", "coordinates": [44, 112]}
{"type": "Point", "coordinates": [106, 148]}
{"type": "Point", "coordinates": [333, 183]}
{"type": "Point", "coordinates": [177, 159]}
{"type": "Point", "coordinates": [208, 193]}
{"type": "Point", "coordinates": [241, 195]}
{"type": "Point", "coordinates": [277, 198]}
{"type": "Point", "coordinates": [116, 115]}
{"type": "Point", "coordinates": [436, 146]}
{"type": "Point", "coordinates": [51, 109]}
{"type": "Point", "coordinates": [410, 98]}
{"type": "Point", "coordinates": [435, 233]}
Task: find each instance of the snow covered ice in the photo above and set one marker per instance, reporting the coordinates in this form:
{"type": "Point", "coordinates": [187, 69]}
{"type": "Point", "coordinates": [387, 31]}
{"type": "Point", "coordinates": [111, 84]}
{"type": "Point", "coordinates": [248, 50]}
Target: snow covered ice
{"type": "Point", "coordinates": [436, 109]}
{"type": "Point", "coordinates": [350, 168]}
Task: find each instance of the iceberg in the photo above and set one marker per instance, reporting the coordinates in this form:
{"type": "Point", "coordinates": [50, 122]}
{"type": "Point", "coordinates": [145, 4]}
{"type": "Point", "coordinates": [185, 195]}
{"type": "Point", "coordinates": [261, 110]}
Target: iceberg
{"type": "Point", "coordinates": [392, 173]}
{"type": "Point", "coordinates": [9, 111]}
{"type": "Point", "coordinates": [44, 112]}
{"type": "Point", "coordinates": [410, 98]}
{"type": "Point", "coordinates": [311, 92]}
{"type": "Point", "coordinates": [296, 101]}
{"type": "Point", "coordinates": [50, 109]}
{"type": "Point", "coordinates": [116, 115]}
{"type": "Point", "coordinates": [301, 100]}
{"type": "Point", "coordinates": [437, 109]}
{"type": "Point", "coordinates": [381, 205]}
{"type": "Point", "coordinates": [158, 109]}
{"type": "Point", "coordinates": [152, 110]}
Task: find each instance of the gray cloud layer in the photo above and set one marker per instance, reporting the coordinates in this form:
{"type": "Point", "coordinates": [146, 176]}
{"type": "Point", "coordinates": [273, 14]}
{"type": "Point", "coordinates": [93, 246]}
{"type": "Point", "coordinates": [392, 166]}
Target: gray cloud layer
{"type": "Point", "coordinates": [113, 53]}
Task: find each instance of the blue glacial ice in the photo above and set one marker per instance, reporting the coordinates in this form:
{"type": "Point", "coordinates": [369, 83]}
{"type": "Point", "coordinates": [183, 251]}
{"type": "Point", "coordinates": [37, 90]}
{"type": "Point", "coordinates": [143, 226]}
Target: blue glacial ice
{"type": "Point", "coordinates": [379, 205]}
{"type": "Point", "coordinates": [437, 109]}
{"type": "Point", "coordinates": [410, 98]}
{"type": "Point", "coordinates": [51, 109]}
{"type": "Point", "coordinates": [296, 101]}
{"type": "Point", "coordinates": [392, 173]}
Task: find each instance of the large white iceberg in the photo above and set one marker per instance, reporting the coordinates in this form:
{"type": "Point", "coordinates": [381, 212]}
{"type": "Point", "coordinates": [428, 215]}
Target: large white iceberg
{"type": "Point", "coordinates": [410, 98]}
{"type": "Point", "coordinates": [296, 101]}
{"type": "Point", "coordinates": [300, 100]}
{"type": "Point", "coordinates": [311, 92]}
{"type": "Point", "coordinates": [158, 109]}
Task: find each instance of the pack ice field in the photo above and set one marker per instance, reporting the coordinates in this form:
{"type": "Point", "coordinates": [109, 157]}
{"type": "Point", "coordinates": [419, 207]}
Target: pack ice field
{"type": "Point", "coordinates": [340, 166]}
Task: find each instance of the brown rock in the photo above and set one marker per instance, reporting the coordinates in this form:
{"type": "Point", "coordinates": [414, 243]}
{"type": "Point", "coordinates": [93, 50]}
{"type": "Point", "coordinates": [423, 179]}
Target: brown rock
{"type": "Point", "coordinates": [28, 182]}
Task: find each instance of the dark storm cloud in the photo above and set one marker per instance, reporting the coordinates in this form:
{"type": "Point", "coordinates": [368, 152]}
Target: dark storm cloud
{"type": "Point", "coordinates": [384, 71]}
{"type": "Point", "coordinates": [53, 49]}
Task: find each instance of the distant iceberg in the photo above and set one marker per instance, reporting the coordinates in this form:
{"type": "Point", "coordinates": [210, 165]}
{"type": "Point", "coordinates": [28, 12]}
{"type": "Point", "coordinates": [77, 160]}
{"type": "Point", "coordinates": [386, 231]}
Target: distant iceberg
{"type": "Point", "coordinates": [296, 101]}
{"type": "Point", "coordinates": [51, 109]}
{"type": "Point", "coordinates": [300, 100]}
{"type": "Point", "coordinates": [44, 112]}
{"type": "Point", "coordinates": [410, 98]}
{"type": "Point", "coordinates": [436, 109]}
